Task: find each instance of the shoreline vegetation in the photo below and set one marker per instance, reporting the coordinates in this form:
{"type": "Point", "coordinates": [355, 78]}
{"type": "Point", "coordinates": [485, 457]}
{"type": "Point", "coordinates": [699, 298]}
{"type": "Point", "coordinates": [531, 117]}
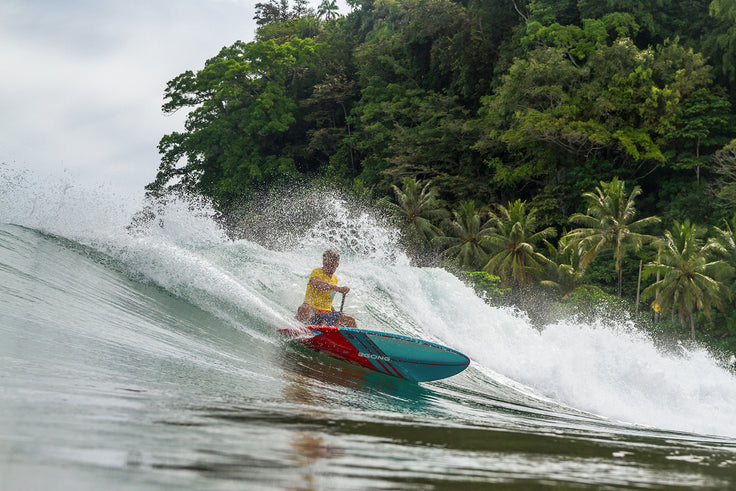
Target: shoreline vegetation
{"type": "Point", "coordinates": [570, 158]}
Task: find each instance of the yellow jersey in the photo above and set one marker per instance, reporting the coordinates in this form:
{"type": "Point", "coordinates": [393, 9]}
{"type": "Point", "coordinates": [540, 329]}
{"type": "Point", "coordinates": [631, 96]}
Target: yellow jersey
{"type": "Point", "coordinates": [320, 299]}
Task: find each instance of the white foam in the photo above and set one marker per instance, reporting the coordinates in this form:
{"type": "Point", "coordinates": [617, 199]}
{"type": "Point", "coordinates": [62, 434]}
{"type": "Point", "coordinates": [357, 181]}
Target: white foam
{"type": "Point", "coordinates": [606, 368]}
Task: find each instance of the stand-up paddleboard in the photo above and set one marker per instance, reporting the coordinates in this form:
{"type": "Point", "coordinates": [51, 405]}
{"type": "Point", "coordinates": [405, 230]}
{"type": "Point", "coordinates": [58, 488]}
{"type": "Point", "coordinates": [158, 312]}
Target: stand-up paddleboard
{"type": "Point", "coordinates": [401, 356]}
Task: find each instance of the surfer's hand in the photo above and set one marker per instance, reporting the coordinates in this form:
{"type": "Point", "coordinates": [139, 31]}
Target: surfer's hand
{"type": "Point", "coordinates": [342, 289]}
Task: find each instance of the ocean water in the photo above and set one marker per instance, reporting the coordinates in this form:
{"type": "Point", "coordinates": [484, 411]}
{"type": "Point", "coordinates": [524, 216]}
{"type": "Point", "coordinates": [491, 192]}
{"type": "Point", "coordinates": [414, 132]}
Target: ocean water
{"type": "Point", "coordinates": [147, 358]}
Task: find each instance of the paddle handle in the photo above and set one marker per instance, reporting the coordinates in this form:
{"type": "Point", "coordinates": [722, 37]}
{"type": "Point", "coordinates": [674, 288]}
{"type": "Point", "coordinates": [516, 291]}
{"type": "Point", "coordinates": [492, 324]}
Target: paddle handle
{"type": "Point", "coordinates": [342, 304]}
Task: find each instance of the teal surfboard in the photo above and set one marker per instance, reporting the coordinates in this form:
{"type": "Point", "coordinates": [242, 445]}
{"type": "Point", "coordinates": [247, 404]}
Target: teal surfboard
{"type": "Point", "coordinates": [393, 354]}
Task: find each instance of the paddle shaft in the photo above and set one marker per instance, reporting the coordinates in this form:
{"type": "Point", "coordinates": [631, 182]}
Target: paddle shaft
{"type": "Point", "coordinates": [342, 304]}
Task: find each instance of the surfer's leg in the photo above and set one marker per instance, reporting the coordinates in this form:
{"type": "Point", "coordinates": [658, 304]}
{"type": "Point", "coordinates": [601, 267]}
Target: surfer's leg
{"type": "Point", "coordinates": [304, 313]}
{"type": "Point", "coordinates": [346, 320]}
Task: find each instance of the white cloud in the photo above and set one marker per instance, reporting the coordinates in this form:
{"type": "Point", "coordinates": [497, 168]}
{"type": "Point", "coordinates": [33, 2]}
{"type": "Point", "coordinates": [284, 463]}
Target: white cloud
{"type": "Point", "coordinates": [82, 81]}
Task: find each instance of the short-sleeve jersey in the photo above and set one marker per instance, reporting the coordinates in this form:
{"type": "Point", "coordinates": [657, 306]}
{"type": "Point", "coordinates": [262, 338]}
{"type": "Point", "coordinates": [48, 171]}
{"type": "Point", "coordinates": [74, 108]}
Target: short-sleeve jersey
{"type": "Point", "coordinates": [320, 299]}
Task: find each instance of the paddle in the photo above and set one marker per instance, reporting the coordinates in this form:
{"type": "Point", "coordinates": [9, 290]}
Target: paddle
{"type": "Point", "coordinates": [343, 302]}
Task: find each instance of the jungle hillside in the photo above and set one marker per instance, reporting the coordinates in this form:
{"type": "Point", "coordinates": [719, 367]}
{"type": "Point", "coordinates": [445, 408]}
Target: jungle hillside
{"type": "Point", "coordinates": [574, 155]}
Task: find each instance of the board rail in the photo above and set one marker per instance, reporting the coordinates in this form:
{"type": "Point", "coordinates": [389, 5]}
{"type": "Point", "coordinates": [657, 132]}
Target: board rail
{"type": "Point", "coordinates": [392, 354]}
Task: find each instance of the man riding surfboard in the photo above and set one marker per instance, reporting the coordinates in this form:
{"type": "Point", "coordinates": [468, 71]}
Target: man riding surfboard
{"type": "Point", "coordinates": [317, 309]}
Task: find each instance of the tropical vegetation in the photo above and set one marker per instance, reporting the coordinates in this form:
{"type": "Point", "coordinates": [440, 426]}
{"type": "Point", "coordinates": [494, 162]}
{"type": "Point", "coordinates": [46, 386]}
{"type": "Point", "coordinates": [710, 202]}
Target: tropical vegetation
{"type": "Point", "coordinates": [466, 241]}
{"type": "Point", "coordinates": [548, 147]}
{"type": "Point", "coordinates": [688, 276]}
{"type": "Point", "coordinates": [515, 238]}
{"type": "Point", "coordinates": [609, 224]}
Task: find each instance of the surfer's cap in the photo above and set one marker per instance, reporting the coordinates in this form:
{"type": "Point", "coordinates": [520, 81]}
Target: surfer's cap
{"type": "Point", "coordinates": [330, 255]}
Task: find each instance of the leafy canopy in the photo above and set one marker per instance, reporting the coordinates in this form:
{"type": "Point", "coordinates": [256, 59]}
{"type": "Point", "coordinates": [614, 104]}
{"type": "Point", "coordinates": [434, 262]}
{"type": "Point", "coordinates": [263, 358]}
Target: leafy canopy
{"type": "Point", "coordinates": [241, 102]}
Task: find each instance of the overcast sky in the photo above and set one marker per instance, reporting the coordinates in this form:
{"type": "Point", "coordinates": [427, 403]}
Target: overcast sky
{"type": "Point", "coordinates": [82, 81]}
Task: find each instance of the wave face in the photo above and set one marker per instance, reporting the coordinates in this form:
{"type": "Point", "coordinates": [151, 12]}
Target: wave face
{"type": "Point", "coordinates": [147, 357]}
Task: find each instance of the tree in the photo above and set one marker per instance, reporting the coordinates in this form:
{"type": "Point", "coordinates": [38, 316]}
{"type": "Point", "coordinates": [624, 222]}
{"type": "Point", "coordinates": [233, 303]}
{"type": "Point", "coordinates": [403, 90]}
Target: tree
{"type": "Point", "coordinates": [301, 8]}
{"type": "Point", "coordinates": [724, 166]}
{"type": "Point", "coordinates": [513, 240]}
{"type": "Point", "coordinates": [564, 271]}
{"type": "Point", "coordinates": [720, 41]}
{"type": "Point", "coordinates": [700, 123]}
{"type": "Point", "coordinates": [243, 104]}
{"type": "Point", "coordinates": [416, 210]}
{"type": "Point", "coordinates": [723, 246]}
{"type": "Point", "coordinates": [576, 97]}
{"type": "Point", "coordinates": [330, 139]}
{"type": "Point", "coordinates": [609, 224]}
{"type": "Point", "coordinates": [328, 9]}
{"type": "Point", "coordinates": [657, 21]}
{"type": "Point", "coordinates": [420, 43]}
{"type": "Point", "coordinates": [466, 242]}
{"type": "Point", "coordinates": [485, 285]}
{"type": "Point", "coordinates": [410, 120]}
{"type": "Point", "coordinates": [404, 132]}
{"type": "Point", "coordinates": [272, 11]}
{"type": "Point", "coordinates": [688, 282]}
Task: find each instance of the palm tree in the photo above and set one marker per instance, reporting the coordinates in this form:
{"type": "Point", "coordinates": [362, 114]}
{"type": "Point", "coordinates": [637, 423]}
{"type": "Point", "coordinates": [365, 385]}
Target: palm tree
{"type": "Point", "coordinates": [687, 279]}
{"type": "Point", "coordinates": [514, 238]}
{"type": "Point", "coordinates": [724, 242]}
{"type": "Point", "coordinates": [564, 271]}
{"type": "Point", "coordinates": [416, 210]}
{"type": "Point", "coordinates": [723, 245]}
{"type": "Point", "coordinates": [466, 242]}
{"type": "Point", "coordinates": [328, 9]}
{"type": "Point", "coordinates": [609, 224]}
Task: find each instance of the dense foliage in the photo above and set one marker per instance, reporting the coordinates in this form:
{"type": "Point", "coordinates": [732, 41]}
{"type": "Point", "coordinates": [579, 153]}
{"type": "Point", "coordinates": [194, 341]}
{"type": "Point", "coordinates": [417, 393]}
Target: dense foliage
{"type": "Point", "coordinates": [554, 143]}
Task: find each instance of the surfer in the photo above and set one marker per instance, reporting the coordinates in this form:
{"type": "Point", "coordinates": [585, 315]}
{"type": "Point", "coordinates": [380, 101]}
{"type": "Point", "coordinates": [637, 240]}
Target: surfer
{"type": "Point", "coordinates": [317, 309]}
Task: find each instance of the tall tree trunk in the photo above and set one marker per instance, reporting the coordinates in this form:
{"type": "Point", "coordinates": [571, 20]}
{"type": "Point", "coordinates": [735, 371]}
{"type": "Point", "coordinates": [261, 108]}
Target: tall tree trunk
{"type": "Point", "coordinates": [697, 159]}
{"type": "Point", "coordinates": [656, 295]}
{"type": "Point", "coordinates": [692, 325]}
{"type": "Point", "coordinates": [638, 288]}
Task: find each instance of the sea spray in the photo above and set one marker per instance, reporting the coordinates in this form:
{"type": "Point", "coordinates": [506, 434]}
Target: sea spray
{"type": "Point", "coordinates": [313, 216]}
{"type": "Point", "coordinates": [606, 366]}
{"type": "Point", "coordinates": [602, 367]}
{"type": "Point", "coordinates": [56, 204]}
{"type": "Point", "coordinates": [168, 249]}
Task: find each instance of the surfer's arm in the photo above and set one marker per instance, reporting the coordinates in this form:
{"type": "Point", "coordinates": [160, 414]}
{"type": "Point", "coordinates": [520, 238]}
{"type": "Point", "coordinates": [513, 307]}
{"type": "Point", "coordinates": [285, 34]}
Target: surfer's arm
{"type": "Point", "coordinates": [323, 285]}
